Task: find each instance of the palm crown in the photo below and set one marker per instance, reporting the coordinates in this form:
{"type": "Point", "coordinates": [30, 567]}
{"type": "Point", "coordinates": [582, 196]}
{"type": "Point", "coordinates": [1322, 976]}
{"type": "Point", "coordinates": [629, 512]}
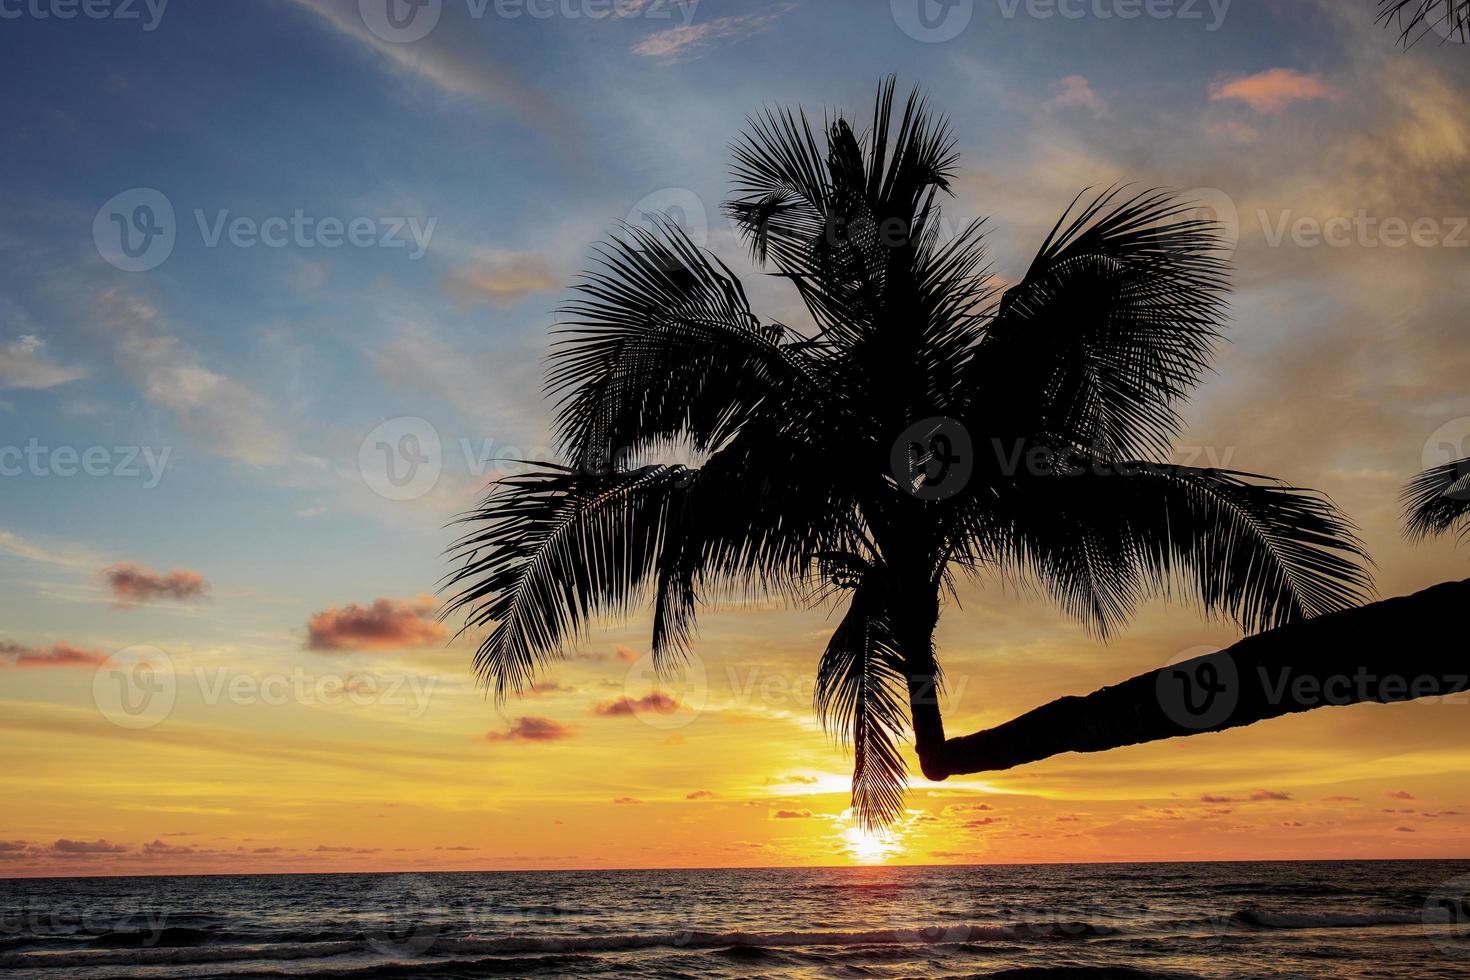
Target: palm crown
{"type": "Point", "coordinates": [822, 453]}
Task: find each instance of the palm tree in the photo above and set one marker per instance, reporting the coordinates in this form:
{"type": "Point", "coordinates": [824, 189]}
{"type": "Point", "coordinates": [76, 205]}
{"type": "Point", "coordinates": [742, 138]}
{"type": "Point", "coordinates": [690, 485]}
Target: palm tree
{"type": "Point", "coordinates": [1438, 499]}
{"type": "Point", "coordinates": [833, 461]}
{"type": "Point", "coordinates": [1415, 18]}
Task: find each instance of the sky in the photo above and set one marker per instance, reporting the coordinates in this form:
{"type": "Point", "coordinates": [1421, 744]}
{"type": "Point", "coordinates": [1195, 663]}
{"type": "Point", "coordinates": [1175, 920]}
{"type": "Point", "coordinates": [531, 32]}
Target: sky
{"type": "Point", "coordinates": [276, 280]}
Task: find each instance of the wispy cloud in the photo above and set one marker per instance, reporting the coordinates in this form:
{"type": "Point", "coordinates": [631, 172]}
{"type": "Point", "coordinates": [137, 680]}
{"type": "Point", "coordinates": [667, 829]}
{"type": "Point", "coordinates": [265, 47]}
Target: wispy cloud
{"type": "Point", "coordinates": [25, 364]}
{"type": "Point", "coordinates": [501, 278]}
{"type": "Point", "coordinates": [449, 59]}
{"type": "Point", "coordinates": [56, 655]}
{"type": "Point", "coordinates": [680, 44]}
{"type": "Point", "coordinates": [231, 419]}
{"type": "Point", "coordinates": [1075, 92]}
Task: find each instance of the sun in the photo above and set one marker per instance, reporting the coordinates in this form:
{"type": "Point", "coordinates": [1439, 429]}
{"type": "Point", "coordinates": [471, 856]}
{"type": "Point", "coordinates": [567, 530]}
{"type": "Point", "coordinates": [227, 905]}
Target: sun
{"type": "Point", "coordinates": [869, 848]}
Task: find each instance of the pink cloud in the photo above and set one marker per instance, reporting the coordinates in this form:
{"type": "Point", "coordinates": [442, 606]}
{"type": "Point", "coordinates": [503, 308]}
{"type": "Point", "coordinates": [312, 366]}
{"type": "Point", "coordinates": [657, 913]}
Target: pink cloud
{"type": "Point", "coordinates": [1270, 91]}
{"type": "Point", "coordinates": [532, 729]}
{"type": "Point", "coordinates": [56, 655]}
{"type": "Point", "coordinates": [133, 584]}
{"type": "Point", "coordinates": [388, 624]}
{"type": "Point", "coordinates": [657, 703]}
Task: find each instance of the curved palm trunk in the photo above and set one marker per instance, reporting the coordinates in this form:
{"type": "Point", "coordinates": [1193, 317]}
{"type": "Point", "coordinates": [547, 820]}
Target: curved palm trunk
{"type": "Point", "coordinates": [1395, 650]}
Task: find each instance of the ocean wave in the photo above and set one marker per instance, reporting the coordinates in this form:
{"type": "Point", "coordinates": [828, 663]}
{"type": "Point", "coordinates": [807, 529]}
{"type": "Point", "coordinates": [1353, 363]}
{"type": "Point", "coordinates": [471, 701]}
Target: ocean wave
{"type": "Point", "coordinates": [1261, 919]}
{"type": "Point", "coordinates": [182, 946]}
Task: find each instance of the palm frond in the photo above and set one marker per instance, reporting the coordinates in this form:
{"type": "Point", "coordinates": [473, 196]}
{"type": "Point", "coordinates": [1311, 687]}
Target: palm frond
{"type": "Point", "coordinates": [553, 549]}
{"type": "Point", "coordinates": [1413, 19]}
{"type": "Point", "coordinates": [861, 696]}
{"type": "Point", "coordinates": [1113, 325]}
{"type": "Point", "coordinates": [843, 220]}
{"type": "Point", "coordinates": [1438, 499]}
{"type": "Point", "coordinates": [1101, 536]}
{"type": "Point", "coordinates": [664, 347]}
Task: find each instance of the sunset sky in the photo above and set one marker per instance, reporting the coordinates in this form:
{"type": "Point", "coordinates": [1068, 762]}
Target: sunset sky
{"type": "Point", "coordinates": [241, 537]}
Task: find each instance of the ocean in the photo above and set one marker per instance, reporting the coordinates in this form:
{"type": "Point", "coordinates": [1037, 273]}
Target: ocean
{"type": "Point", "coordinates": [1141, 921]}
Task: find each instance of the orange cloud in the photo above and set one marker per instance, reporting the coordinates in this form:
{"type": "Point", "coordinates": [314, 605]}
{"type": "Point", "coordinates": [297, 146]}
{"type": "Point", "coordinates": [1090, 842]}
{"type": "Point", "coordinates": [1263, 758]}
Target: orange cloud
{"type": "Point", "coordinates": [532, 729]}
{"type": "Point", "coordinates": [56, 655]}
{"type": "Point", "coordinates": [1271, 91]}
{"type": "Point", "coordinates": [133, 584]}
{"type": "Point", "coordinates": [626, 655]}
{"type": "Point", "coordinates": [793, 814]}
{"type": "Point", "coordinates": [388, 624]}
{"type": "Point", "coordinates": [1268, 794]}
{"type": "Point", "coordinates": [657, 703]}
{"type": "Point", "coordinates": [1399, 794]}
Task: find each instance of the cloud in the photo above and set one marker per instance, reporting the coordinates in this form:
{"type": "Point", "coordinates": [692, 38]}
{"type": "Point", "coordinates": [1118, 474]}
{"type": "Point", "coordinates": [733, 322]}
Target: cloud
{"type": "Point", "coordinates": [388, 624]}
{"type": "Point", "coordinates": [701, 794]}
{"type": "Point", "coordinates": [627, 801]}
{"type": "Point", "coordinates": [680, 44]}
{"type": "Point", "coordinates": [1339, 799]}
{"type": "Point", "coordinates": [626, 655]}
{"type": "Point", "coordinates": [1211, 798]}
{"type": "Point", "coordinates": [543, 688]}
{"type": "Point", "coordinates": [657, 703]}
{"type": "Point", "coordinates": [134, 584]}
{"type": "Point", "coordinates": [501, 278]}
{"type": "Point", "coordinates": [56, 655]}
{"type": "Point", "coordinates": [1270, 91]}
{"type": "Point", "coordinates": [532, 729]}
{"type": "Point", "coordinates": [1399, 794]}
{"type": "Point", "coordinates": [452, 59]}
{"type": "Point", "coordinates": [1269, 794]}
{"type": "Point", "coordinates": [984, 822]}
{"type": "Point", "coordinates": [793, 814]}
{"type": "Point", "coordinates": [1405, 830]}
{"type": "Point", "coordinates": [1075, 92]}
{"type": "Point", "coordinates": [24, 364]}
{"type": "Point", "coordinates": [157, 847]}
{"type": "Point", "coordinates": [231, 420]}
{"type": "Point", "coordinates": [81, 848]}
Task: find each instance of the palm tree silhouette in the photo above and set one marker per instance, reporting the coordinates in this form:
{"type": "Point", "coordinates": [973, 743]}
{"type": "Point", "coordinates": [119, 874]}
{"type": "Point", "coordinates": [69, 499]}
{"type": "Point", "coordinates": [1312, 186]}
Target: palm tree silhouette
{"type": "Point", "coordinates": [1438, 499]}
{"type": "Point", "coordinates": [929, 425]}
{"type": "Point", "coordinates": [1415, 18]}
